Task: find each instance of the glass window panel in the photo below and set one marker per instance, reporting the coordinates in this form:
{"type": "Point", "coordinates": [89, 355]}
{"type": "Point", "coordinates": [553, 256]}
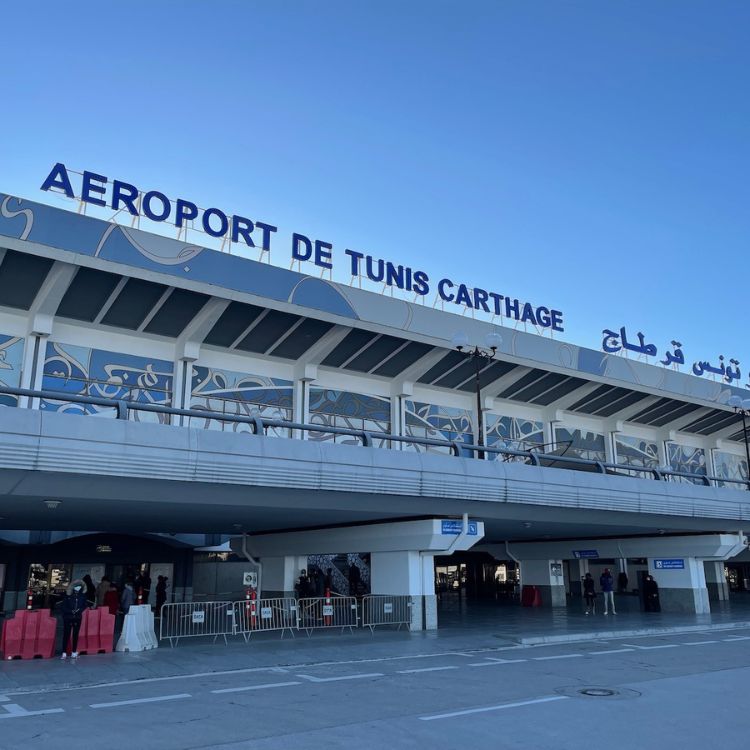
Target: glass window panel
{"type": "Point", "coordinates": [580, 444]}
{"type": "Point", "coordinates": [515, 433]}
{"type": "Point", "coordinates": [638, 453]}
{"type": "Point", "coordinates": [352, 411]}
{"type": "Point", "coordinates": [730, 466]}
{"type": "Point", "coordinates": [104, 374]}
{"type": "Point", "coordinates": [438, 423]}
{"type": "Point", "coordinates": [11, 361]}
{"type": "Point", "coordinates": [687, 459]}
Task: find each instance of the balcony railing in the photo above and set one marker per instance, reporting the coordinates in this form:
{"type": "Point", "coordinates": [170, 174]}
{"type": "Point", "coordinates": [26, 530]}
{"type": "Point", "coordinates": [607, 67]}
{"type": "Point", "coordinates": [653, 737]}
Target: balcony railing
{"type": "Point", "coordinates": [258, 426]}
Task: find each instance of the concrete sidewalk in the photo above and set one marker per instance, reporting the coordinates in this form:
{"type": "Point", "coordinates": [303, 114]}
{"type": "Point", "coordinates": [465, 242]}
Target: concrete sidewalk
{"type": "Point", "coordinates": [466, 627]}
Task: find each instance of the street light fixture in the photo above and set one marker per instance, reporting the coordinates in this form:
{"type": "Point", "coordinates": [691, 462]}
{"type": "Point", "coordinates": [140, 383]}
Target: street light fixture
{"type": "Point", "coordinates": [479, 355]}
{"type": "Point", "coordinates": [742, 406]}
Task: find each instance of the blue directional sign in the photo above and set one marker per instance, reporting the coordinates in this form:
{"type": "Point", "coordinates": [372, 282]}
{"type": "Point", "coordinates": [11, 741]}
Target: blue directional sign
{"type": "Point", "coordinates": [586, 554]}
{"type": "Point", "coordinates": [456, 527]}
{"type": "Point", "coordinates": [677, 563]}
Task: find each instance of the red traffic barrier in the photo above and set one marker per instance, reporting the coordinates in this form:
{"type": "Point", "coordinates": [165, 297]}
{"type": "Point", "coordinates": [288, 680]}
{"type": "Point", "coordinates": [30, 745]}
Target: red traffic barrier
{"type": "Point", "coordinates": [253, 611]}
{"type": "Point", "coordinates": [531, 596]}
{"type": "Point", "coordinates": [139, 598]}
{"type": "Point", "coordinates": [29, 635]}
{"type": "Point", "coordinates": [29, 599]}
{"type": "Point", "coordinates": [97, 635]}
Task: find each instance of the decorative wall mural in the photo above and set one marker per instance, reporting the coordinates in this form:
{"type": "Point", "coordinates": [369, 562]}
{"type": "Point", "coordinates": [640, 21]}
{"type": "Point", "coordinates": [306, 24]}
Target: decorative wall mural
{"type": "Point", "coordinates": [104, 374]}
{"type": "Point", "coordinates": [581, 443]}
{"type": "Point", "coordinates": [515, 433]}
{"type": "Point", "coordinates": [636, 452]}
{"type": "Point", "coordinates": [436, 422]}
{"type": "Point", "coordinates": [354, 411]}
{"type": "Point", "coordinates": [240, 394]}
{"type": "Point", "coordinates": [688, 459]}
{"type": "Point", "coordinates": [729, 466]}
{"type": "Point", "coordinates": [11, 362]}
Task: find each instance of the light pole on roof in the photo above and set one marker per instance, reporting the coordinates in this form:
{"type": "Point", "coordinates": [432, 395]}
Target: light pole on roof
{"type": "Point", "coordinates": [742, 406]}
{"type": "Point", "coordinates": [479, 355]}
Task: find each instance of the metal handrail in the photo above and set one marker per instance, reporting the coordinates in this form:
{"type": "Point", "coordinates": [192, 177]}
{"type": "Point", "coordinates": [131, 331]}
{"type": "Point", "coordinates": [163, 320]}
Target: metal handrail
{"type": "Point", "coordinates": [260, 424]}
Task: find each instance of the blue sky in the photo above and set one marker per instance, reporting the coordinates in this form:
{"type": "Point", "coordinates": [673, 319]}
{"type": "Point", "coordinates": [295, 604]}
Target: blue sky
{"type": "Point", "coordinates": [590, 156]}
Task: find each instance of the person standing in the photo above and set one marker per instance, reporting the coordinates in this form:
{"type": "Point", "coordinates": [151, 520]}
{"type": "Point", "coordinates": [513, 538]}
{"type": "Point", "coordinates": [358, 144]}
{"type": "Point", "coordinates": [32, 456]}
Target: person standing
{"type": "Point", "coordinates": [651, 595]}
{"type": "Point", "coordinates": [589, 594]}
{"type": "Point", "coordinates": [90, 590]}
{"type": "Point", "coordinates": [127, 598]}
{"type": "Point", "coordinates": [112, 599]}
{"type": "Point", "coordinates": [161, 592]}
{"type": "Point", "coordinates": [607, 583]}
{"type": "Point", "coordinates": [101, 591]}
{"type": "Point", "coordinates": [73, 606]}
{"type": "Point", "coordinates": [146, 587]}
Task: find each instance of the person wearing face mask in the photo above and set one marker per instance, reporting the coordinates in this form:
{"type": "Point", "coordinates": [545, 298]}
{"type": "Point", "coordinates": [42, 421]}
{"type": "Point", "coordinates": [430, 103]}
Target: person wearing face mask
{"type": "Point", "coordinates": [73, 606]}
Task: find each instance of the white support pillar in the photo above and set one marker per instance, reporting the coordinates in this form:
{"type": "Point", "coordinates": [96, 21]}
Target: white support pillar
{"type": "Point", "coordinates": [547, 576]}
{"type": "Point", "coordinates": [407, 573]}
{"type": "Point", "coordinates": [280, 574]}
{"type": "Point", "coordinates": [681, 589]}
{"type": "Point", "coordinates": [716, 582]}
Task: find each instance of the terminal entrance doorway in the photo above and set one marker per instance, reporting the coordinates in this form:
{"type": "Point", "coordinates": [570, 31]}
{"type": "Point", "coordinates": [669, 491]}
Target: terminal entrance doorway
{"type": "Point", "coordinates": [475, 575]}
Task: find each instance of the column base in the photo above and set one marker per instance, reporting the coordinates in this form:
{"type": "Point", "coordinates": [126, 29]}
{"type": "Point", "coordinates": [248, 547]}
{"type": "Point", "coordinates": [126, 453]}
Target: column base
{"type": "Point", "coordinates": [553, 596]}
{"type": "Point", "coordinates": [684, 601]}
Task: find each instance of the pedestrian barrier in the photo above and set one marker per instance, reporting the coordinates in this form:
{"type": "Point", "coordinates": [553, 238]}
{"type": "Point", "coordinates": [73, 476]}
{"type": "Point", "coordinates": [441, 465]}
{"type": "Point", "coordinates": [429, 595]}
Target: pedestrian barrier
{"type": "Point", "coordinates": [531, 596]}
{"type": "Point", "coordinates": [328, 612]}
{"type": "Point", "coordinates": [138, 630]}
{"type": "Point", "coordinates": [30, 634]}
{"type": "Point", "coordinates": [191, 619]}
{"type": "Point", "coordinates": [263, 615]}
{"type": "Point", "coordinates": [97, 634]}
{"type": "Point", "coordinates": [386, 609]}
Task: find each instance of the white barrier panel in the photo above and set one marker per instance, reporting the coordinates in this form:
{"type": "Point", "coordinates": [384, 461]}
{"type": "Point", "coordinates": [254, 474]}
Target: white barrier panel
{"type": "Point", "coordinates": [261, 615]}
{"type": "Point", "coordinates": [386, 609]}
{"type": "Point", "coordinates": [192, 619]}
{"type": "Point", "coordinates": [137, 630]}
{"type": "Point", "coordinates": [333, 612]}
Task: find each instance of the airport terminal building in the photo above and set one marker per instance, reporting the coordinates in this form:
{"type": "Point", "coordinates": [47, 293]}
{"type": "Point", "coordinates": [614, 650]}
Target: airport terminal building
{"type": "Point", "coordinates": [201, 415]}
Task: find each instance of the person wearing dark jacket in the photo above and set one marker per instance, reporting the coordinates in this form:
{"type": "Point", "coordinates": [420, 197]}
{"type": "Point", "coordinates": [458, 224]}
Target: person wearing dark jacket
{"type": "Point", "coordinates": [607, 583]}
{"type": "Point", "coordinates": [589, 594]}
{"type": "Point", "coordinates": [90, 590]}
{"type": "Point", "coordinates": [651, 595]}
{"type": "Point", "coordinates": [73, 605]}
{"type": "Point", "coordinates": [161, 592]}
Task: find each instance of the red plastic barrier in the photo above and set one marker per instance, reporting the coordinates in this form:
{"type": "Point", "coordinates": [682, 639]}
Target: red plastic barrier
{"type": "Point", "coordinates": [97, 634]}
{"type": "Point", "coordinates": [29, 635]}
{"type": "Point", "coordinates": [531, 597]}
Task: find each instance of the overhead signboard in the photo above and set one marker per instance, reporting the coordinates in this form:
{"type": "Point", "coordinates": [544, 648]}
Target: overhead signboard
{"type": "Point", "coordinates": [456, 527]}
{"type": "Point", "coordinates": [672, 563]}
{"type": "Point", "coordinates": [586, 554]}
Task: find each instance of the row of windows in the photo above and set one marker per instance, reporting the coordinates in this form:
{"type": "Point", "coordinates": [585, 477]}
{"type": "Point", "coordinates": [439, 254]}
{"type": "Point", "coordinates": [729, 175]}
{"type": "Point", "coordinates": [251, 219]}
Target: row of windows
{"type": "Point", "coordinates": [112, 375]}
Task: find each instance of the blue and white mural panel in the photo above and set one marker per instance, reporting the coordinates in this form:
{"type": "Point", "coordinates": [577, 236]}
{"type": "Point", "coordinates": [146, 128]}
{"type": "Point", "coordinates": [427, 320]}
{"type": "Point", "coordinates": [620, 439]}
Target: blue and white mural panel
{"type": "Point", "coordinates": [354, 411]}
{"type": "Point", "coordinates": [238, 394]}
{"type": "Point", "coordinates": [688, 459]}
{"type": "Point", "coordinates": [639, 453]}
{"type": "Point", "coordinates": [516, 433]}
{"type": "Point", "coordinates": [114, 376]}
{"type": "Point", "coordinates": [730, 466]}
{"type": "Point", "coordinates": [576, 443]}
{"type": "Point", "coordinates": [11, 362]}
{"type": "Point", "coordinates": [437, 423]}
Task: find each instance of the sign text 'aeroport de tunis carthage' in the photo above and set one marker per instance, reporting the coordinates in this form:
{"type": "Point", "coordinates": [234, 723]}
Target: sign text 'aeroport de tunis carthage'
{"type": "Point", "coordinates": [98, 190]}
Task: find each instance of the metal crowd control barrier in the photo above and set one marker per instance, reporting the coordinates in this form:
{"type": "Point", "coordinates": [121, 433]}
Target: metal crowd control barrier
{"type": "Point", "coordinates": [384, 609]}
{"type": "Point", "coordinates": [191, 619]}
{"type": "Point", "coordinates": [264, 615]}
{"type": "Point", "coordinates": [334, 612]}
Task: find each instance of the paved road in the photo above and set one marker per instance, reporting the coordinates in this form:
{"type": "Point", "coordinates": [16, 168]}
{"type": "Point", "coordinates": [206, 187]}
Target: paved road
{"type": "Point", "coordinates": [682, 691]}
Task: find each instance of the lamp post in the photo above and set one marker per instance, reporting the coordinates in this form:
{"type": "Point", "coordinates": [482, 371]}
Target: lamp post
{"type": "Point", "coordinates": [479, 355]}
{"type": "Point", "coordinates": [742, 406]}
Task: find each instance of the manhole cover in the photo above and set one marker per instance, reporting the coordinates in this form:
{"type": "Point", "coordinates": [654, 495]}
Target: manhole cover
{"type": "Point", "coordinates": [598, 692]}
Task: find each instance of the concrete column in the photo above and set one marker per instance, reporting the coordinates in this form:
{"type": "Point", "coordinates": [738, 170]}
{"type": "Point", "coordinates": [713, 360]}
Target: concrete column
{"type": "Point", "coordinates": [716, 582]}
{"type": "Point", "coordinates": [280, 574]}
{"type": "Point", "coordinates": [547, 576]}
{"type": "Point", "coordinates": [578, 570]}
{"type": "Point", "coordinates": [407, 573]}
{"type": "Point", "coordinates": [681, 589]}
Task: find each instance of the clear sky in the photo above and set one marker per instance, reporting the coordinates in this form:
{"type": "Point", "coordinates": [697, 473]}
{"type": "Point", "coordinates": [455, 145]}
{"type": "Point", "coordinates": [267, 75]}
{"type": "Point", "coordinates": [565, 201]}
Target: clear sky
{"type": "Point", "coordinates": [591, 156]}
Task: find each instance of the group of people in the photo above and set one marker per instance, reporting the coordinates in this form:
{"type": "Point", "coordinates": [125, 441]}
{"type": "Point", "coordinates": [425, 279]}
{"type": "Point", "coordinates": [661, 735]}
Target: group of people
{"type": "Point", "coordinates": [607, 584]}
{"type": "Point", "coordinates": [315, 583]}
{"type": "Point", "coordinates": [82, 594]}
